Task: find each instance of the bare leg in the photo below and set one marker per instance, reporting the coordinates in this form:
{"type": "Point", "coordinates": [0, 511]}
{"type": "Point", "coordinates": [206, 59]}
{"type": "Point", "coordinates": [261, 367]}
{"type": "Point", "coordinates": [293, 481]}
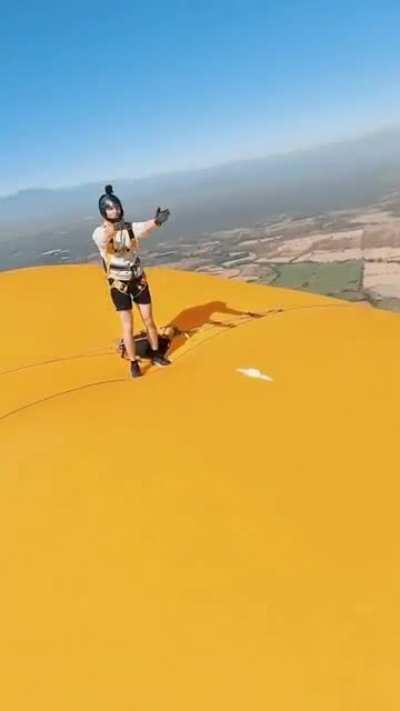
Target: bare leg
{"type": "Point", "coordinates": [148, 322]}
{"type": "Point", "coordinates": [127, 333]}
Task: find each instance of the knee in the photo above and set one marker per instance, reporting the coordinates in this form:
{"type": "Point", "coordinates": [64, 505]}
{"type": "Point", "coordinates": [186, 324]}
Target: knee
{"type": "Point", "coordinates": [127, 331]}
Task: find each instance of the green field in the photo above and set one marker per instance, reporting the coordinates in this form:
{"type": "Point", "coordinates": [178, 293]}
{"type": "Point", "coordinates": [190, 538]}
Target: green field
{"type": "Point", "coordinates": [338, 278]}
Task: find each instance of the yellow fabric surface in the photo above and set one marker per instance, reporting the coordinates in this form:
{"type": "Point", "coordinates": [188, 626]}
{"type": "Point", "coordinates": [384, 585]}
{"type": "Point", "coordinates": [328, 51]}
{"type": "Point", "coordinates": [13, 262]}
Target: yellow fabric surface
{"type": "Point", "coordinates": [197, 539]}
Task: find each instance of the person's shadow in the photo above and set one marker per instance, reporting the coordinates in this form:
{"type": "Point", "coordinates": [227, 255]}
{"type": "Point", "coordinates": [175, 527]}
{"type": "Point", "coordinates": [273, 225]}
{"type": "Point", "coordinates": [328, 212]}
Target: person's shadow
{"type": "Point", "coordinates": [188, 322]}
{"type": "Point", "coordinates": [185, 325]}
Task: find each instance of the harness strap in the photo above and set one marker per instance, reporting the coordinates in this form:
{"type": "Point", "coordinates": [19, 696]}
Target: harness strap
{"type": "Point", "coordinates": [133, 286]}
{"type": "Point", "coordinates": [107, 261]}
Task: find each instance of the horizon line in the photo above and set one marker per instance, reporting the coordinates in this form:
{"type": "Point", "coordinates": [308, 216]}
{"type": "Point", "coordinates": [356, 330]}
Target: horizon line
{"type": "Point", "coordinates": [151, 176]}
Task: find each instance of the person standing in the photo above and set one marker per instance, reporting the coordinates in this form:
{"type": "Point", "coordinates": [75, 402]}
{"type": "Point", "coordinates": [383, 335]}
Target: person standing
{"type": "Point", "coordinates": [118, 243]}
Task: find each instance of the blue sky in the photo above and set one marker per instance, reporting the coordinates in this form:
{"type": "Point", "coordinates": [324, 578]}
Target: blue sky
{"type": "Point", "coordinates": [97, 91]}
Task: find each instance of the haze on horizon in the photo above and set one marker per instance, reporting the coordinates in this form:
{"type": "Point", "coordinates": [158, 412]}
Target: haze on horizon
{"type": "Point", "coordinates": [384, 130]}
{"type": "Point", "coordinates": [83, 99]}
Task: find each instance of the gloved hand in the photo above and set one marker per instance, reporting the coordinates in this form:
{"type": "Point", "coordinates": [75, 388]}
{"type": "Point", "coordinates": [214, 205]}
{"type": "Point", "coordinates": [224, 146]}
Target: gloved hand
{"type": "Point", "coordinates": [161, 216]}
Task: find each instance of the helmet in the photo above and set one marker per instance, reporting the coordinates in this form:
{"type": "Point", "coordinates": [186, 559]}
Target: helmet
{"type": "Point", "coordinates": [109, 200]}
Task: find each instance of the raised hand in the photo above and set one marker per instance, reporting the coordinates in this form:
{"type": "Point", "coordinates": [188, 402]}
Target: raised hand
{"type": "Point", "coordinates": [161, 216]}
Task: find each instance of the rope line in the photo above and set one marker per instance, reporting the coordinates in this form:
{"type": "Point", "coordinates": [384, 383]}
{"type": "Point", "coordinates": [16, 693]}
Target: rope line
{"type": "Point", "coordinates": [214, 334]}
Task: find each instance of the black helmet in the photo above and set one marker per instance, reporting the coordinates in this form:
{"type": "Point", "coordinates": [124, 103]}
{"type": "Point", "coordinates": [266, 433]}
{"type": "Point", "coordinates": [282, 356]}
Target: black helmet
{"type": "Point", "coordinates": [107, 200]}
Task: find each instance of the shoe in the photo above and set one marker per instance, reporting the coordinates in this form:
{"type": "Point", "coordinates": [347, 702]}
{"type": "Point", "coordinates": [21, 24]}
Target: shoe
{"type": "Point", "coordinates": [159, 360]}
{"type": "Point", "coordinates": [135, 369]}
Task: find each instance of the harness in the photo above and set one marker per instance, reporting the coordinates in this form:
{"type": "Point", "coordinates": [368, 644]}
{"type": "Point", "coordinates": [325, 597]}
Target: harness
{"type": "Point", "coordinates": [126, 278]}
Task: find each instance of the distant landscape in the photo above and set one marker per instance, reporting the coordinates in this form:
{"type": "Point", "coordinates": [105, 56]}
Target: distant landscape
{"type": "Point", "coordinates": [351, 254]}
{"type": "Point", "coordinates": [326, 220]}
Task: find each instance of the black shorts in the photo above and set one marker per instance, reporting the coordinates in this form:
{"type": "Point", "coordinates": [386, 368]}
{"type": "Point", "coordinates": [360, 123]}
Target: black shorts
{"type": "Point", "coordinates": [137, 290]}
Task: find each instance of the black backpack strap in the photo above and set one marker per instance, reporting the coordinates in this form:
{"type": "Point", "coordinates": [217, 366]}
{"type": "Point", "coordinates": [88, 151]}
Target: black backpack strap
{"type": "Point", "coordinates": [130, 231]}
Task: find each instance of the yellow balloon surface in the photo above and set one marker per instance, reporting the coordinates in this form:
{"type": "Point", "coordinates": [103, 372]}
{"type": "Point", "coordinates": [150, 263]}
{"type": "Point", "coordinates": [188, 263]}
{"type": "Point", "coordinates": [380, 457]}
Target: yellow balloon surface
{"type": "Point", "coordinates": [219, 534]}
